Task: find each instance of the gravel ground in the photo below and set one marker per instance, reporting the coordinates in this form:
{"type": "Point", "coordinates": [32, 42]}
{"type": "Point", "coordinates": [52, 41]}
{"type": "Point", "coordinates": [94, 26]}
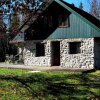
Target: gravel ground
{"type": "Point", "coordinates": [38, 68]}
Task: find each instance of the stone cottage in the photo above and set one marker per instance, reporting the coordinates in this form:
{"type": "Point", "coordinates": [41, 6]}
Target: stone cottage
{"type": "Point", "coordinates": [61, 35]}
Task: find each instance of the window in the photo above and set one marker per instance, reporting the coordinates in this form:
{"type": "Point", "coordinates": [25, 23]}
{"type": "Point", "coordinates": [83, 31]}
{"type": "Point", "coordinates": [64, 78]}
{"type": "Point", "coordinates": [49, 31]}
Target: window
{"type": "Point", "coordinates": [74, 47]}
{"type": "Point", "coordinates": [40, 49]}
{"type": "Point", "coordinates": [63, 21]}
{"type": "Point", "coordinates": [45, 20]}
{"type": "Point", "coordinates": [48, 21]}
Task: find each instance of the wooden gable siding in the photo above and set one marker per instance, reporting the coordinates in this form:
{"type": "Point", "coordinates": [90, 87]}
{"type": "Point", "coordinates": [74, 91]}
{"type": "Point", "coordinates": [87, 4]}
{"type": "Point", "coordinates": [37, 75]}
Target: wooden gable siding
{"type": "Point", "coordinates": [81, 14]}
{"type": "Point", "coordinates": [78, 29]}
{"type": "Point", "coordinates": [95, 33]}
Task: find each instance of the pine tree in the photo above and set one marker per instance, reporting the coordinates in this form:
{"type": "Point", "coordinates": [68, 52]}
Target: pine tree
{"type": "Point", "coordinates": [81, 6]}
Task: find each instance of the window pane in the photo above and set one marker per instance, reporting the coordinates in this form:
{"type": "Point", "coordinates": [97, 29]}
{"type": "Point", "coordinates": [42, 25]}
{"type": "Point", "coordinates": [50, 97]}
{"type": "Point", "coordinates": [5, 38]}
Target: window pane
{"type": "Point", "coordinates": [40, 50]}
{"type": "Point", "coordinates": [50, 21]}
{"type": "Point", "coordinates": [74, 47]}
{"type": "Point", "coordinates": [63, 20]}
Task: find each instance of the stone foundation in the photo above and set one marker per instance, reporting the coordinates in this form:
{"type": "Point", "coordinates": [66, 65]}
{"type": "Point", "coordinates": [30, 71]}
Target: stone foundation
{"type": "Point", "coordinates": [84, 59]}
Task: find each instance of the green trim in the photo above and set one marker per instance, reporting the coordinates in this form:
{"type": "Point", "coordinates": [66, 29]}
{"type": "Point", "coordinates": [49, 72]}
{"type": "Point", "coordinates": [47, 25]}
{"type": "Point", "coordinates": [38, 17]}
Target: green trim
{"type": "Point", "coordinates": [71, 10]}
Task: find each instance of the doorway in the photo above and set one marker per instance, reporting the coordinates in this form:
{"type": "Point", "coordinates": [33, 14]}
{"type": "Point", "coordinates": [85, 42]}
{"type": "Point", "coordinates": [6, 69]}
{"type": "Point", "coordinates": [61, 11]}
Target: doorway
{"type": "Point", "coordinates": [55, 53]}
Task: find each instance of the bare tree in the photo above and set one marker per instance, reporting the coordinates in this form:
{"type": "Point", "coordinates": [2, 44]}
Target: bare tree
{"type": "Point", "coordinates": [94, 8]}
{"type": "Point", "coordinates": [15, 14]}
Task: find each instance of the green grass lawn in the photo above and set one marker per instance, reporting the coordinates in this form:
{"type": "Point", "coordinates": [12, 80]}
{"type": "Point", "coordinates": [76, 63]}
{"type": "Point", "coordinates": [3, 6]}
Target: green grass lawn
{"type": "Point", "coordinates": [21, 85]}
{"type": "Point", "coordinates": [6, 71]}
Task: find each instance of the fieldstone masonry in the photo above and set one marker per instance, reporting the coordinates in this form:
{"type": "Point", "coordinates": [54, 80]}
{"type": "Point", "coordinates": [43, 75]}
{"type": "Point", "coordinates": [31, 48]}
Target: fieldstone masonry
{"type": "Point", "coordinates": [30, 55]}
{"type": "Point", "coordinates": [85, 59]}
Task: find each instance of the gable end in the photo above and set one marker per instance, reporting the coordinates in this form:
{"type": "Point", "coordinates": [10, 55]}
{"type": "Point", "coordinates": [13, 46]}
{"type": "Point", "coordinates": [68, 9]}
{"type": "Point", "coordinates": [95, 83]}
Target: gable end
{"type": "Point", "coordinates": [80, 16]}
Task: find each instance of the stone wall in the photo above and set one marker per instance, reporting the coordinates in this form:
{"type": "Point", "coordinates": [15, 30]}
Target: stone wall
{"type": "Point", "coordinates": [85, 59]}
{"type": "Point", "coordinates": [30, 55]}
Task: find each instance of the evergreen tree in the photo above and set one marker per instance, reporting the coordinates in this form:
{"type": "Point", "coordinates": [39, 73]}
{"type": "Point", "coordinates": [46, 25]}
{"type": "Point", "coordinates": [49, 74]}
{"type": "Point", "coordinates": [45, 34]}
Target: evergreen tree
{"type": "Point", "coordinates": [81, 6]}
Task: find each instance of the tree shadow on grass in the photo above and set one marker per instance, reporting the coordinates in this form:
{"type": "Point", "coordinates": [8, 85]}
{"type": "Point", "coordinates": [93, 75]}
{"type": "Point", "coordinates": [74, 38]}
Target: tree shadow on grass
{"type": "Point", "coordinates": [58, 86]}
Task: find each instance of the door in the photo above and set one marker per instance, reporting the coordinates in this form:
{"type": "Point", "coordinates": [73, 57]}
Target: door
{"type": "Point", "coordinates": [55, 53]}
{"type": "Point", "coordinates": [97, 52]}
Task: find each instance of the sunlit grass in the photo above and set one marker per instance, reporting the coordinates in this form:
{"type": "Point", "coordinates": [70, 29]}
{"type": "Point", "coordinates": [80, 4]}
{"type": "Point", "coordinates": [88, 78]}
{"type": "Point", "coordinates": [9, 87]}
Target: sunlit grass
{"type": "Point", "coordinates": [12, 71]}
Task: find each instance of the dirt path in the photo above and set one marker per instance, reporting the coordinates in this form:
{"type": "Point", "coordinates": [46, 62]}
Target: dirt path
{"type": "Point", "coordinates": [38, 68]}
